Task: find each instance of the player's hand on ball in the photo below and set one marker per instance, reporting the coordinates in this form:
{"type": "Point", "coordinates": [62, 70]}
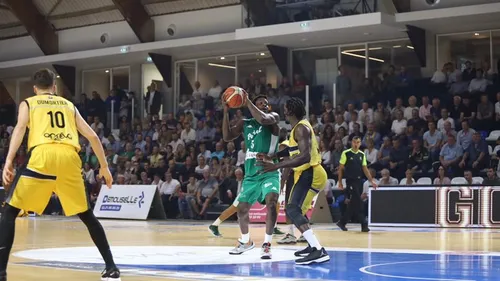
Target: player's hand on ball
{"type": "Point", "coordinates": [8, 173]}
{"type": "Point", "coordinates": [105, 174]}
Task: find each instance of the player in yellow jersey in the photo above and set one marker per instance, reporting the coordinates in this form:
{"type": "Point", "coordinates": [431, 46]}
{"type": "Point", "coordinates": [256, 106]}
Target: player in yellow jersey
{"type": "Point", "coordinates": [52, 165]}
{"type": "Point", "coordinates": [309, 178]}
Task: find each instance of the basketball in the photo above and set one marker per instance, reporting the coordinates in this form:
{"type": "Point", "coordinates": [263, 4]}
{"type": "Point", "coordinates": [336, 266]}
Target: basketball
{"type": "Point", "coordinates": [234, 97]}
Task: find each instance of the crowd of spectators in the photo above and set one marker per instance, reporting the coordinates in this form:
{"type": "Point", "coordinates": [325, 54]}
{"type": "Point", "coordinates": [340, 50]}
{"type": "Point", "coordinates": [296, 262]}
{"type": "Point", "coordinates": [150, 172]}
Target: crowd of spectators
{"type": "Point", "coordinates": [183, 153]}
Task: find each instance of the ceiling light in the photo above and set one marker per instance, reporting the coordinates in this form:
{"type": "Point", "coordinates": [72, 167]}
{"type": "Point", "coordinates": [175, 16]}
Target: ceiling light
{"type": "Point", "coordinates": [303, 39]}
{"type": "Point", "coordinates": [476, 34]}
{"type": "Point", "coordinates": [149, 59]}
{"type": "Point", "coordinates": [366, 33]}
{"type": "Point", "coordinates": [362, 57]}
{"type": "Point", "coordinates": [397, 46]}
{"type": "Point", "coordinates": [262, 54]}
{"type": "Point", "coordinates": [107, 71]}
{"type": "Point", "coordinates": [58, 76]}
{"type": "Point", "coordinates": [260, 70]}
{"type": "Point", "coordinates": [362, 50]}
{"type": "Point", "coordinates": [410, 47]}
{"type": "Point", "coordinates": [222, 58]}
{"type": "Point", "coordinates": [222, 65]}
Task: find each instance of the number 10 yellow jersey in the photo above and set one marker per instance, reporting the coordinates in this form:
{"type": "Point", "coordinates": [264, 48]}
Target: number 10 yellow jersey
{"type": "Point", "coordinates": [51, 120]}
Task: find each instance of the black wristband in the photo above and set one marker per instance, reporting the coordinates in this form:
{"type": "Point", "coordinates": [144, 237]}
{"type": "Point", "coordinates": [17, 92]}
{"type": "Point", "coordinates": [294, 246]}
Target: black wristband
{"type": "Point", "coordinates": [283, 153]}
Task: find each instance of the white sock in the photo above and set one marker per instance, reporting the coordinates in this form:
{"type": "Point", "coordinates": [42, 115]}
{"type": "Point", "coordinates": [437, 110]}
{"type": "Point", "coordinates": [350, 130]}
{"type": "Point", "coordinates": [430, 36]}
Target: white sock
{"type": "Point", "coordinates": [217, 222]}
{"type": "Point", "coordinates": [245, 238]}
{"type": "Point", "coordinates": [291, 229]}
{"type": "Point", "coordinates": [311, 239]}
{"type": "Point", "coordinates": [276, 224]}
{"type": "Point", "coordinates": [268, 238]}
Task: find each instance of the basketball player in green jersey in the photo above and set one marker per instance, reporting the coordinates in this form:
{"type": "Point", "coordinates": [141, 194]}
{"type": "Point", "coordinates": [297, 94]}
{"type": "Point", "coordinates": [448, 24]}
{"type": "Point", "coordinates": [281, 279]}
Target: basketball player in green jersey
{"type": "Point", "coordinates": [261, 135]}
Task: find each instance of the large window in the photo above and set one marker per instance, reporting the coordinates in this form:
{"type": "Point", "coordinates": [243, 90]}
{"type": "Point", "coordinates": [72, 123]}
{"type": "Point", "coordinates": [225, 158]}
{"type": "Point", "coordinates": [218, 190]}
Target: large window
{"type": "Point", "coordinates": [463, 47]}
{"type": "Point", "coordinates": [216, 74]}
{"type": "Point", "coordinates": [256, 70]}
{"type": "Point", "coordinates": [352, 73]}
{"type": "Point", "coordinates": [96, 81]}
{"type": "Point", "coordinates": [495, 36]}
{"type": "Point", "coordinates": [399, 54]}
{"type": "Point", "coordinates": [320, 68]}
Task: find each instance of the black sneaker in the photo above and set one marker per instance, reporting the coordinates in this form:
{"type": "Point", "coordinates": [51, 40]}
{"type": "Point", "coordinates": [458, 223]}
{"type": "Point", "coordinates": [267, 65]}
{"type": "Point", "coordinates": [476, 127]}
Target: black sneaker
{"type": "Point", "coordinates": [342, 226]}
{"type": "Point", "coordinates": [112, 274]}
{"type": "Point", "coordinates": [214, 230]}
{"type": "Point", "coordinates": [364, 228]}
{"type": "Point", "coordinates": [304, 252]}
{"type": "Point", "coordinates": [316, 256]}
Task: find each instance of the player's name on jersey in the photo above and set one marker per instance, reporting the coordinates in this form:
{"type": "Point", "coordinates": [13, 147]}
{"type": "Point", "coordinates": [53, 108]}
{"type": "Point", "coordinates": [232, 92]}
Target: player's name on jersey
{"type": "Point", "coordinates": [52, 102]}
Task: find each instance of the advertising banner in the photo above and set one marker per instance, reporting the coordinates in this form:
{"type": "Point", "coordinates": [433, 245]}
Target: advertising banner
{"type": "Point", "coordinates": [426, 206]}
{"type": "Point", "coordinates": [258, 212]}
{"type": "Point", "coordinates": [125, 202]}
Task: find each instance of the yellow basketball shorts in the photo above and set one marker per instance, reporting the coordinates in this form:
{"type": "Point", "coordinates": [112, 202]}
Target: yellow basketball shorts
{"type": "Point", "coordinates": [307, 184]}
{"type": "Point", "coordinates": [50, 168]}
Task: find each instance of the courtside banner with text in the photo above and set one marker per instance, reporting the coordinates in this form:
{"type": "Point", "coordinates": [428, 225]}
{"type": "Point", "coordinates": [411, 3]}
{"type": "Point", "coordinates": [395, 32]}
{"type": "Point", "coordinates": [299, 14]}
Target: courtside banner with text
{"type": "Point", "coordinates": [125, 202]}
{"type": "Point", "coordinates": [430, 206]}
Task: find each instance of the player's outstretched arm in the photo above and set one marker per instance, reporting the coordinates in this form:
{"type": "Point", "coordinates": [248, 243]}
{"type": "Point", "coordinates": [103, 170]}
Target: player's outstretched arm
{"type": "Point", "coordinates": [15, 142]}
{"type": "Point", "coordinates": [230, 132]}
{"type": "Point", "coordinates": [260, 116]}
{"type": "Point", "coordinates": [303, 135]}
{"type": "Point", "coordinates": [96, 145]}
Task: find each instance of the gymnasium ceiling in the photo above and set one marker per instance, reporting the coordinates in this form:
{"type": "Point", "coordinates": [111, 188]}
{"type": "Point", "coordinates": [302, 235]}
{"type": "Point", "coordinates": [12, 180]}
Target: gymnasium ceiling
{"type": "Point", "coordinates": [39, 18]}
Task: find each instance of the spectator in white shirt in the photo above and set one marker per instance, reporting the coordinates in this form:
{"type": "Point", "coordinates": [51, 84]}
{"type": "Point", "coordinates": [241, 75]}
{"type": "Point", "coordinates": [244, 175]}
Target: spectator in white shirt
{"type": "Point", "coordinates": [215, 91]}
{"type": "Point", "coordinates": [365, 114]}
{"type": "Point", "coordinates": [398, 106]}
{"type": "Point", "coordinates": [386, 179]}
{"type": "Point", "coordinates": [371, 152]}
{"type": "Point", "coordinates": [439, 76]}
{"type": "Point", "coordinates": [325, 153]}
{"type": "Point", "coordinates": [409, 178]}
{"type": "Point", "coordinates": [202, 165]}
{"type": "Point", "coordinates": [339, 122]}
{"type": "Point", "coordinates": [354, 119]}
{"type": "Point", "coordinates": [97, 126]}
{"type": "Point", "coordinates": [408, 113]}
{"type": "Point", "coordinates": [241, 154]}
{"type": "Point", "coordinates": [444, 118]}
{"type": "Point", "coordinates": [198, 91]}
{"type": "Point", "coordinates": [479, 83]}
{"type": "Point", "coordinates": [175, 142]}
{"type": "Point", "coordinates": [188, 135]}
{"type": "Point", "coordinates": [497, 107]}
{"type": "Point", "coordinates": [399, 125]}
{"type": "Point", "coordinates": [425, 109]}
{"type": "Point", "coordinates": [168, 191]}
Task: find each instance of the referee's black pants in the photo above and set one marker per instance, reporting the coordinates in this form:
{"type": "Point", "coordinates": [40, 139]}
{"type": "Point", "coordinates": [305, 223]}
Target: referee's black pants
{"type": "Point", "coordinates": [353, 191]}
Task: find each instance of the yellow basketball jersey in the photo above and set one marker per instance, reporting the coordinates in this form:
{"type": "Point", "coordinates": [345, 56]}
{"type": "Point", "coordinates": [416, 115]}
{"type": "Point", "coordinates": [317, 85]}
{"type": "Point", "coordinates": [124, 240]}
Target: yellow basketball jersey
{"type": "Point", "coordinates": [52, 120]}
{"type": "Point", "coordinates": [294, 148]}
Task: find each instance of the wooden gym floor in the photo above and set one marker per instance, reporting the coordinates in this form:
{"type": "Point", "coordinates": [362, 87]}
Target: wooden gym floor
{"type": "Point", "coordinates": [57, 248]}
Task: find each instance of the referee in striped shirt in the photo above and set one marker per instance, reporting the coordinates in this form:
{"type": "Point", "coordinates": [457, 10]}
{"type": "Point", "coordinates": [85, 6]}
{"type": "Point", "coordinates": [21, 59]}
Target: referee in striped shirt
{"type": "Point", "coordinates": [353, 166]}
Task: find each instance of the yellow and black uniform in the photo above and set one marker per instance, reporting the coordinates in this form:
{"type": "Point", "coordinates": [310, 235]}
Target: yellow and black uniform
{"type": "Point", "coordinates": [309, 178]}
{"type": "Point", "coordinates": [53, 163]}
{"type": "Point", "coordinates": [353, 162]}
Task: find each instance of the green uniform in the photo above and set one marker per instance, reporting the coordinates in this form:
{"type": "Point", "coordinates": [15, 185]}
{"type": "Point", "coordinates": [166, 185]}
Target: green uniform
{"type": "Point", "coordinates": [255, 186]}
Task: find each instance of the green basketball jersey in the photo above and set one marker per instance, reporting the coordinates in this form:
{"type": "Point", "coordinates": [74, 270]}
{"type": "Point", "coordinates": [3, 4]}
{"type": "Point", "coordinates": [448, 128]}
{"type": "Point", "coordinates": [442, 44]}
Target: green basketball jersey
{"type": "Point", "coordinates": [258, 139]}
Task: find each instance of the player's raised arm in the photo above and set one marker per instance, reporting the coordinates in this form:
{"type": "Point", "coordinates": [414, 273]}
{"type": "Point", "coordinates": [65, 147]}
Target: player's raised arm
{"type": "Point", "coordinates": [15, 141]}
{"type": "Point", "coordinates": [260, 116]}
{"type": "Point", "coordinates": [96, 145]}
{"type": "Point", "coordinates": [230, 132]}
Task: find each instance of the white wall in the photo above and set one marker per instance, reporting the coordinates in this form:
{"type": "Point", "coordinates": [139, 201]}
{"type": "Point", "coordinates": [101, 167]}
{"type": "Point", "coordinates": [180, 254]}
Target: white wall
{"type": "Point", "coordinates": [87, 38]}
{"type": "Point", "coordinates": [419, 5]}
{"type": "Point", "coordinates": [208, 74]}
{"type": "Point", "coordinates": [198, 23]}
{"type": "Point", "coordinates": [98, 81]}
{"type": "Point", "coordinates": [18, 48]}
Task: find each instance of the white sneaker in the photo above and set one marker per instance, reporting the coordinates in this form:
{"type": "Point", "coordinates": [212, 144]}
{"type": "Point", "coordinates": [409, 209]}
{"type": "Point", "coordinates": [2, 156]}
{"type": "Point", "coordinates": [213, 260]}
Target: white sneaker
{"type": "Point", "coordinates": [241, 248]}
{"type": "Point", "coordinates": [288, 239]}
{"type": "Point", "coordinates": [265, 251]}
